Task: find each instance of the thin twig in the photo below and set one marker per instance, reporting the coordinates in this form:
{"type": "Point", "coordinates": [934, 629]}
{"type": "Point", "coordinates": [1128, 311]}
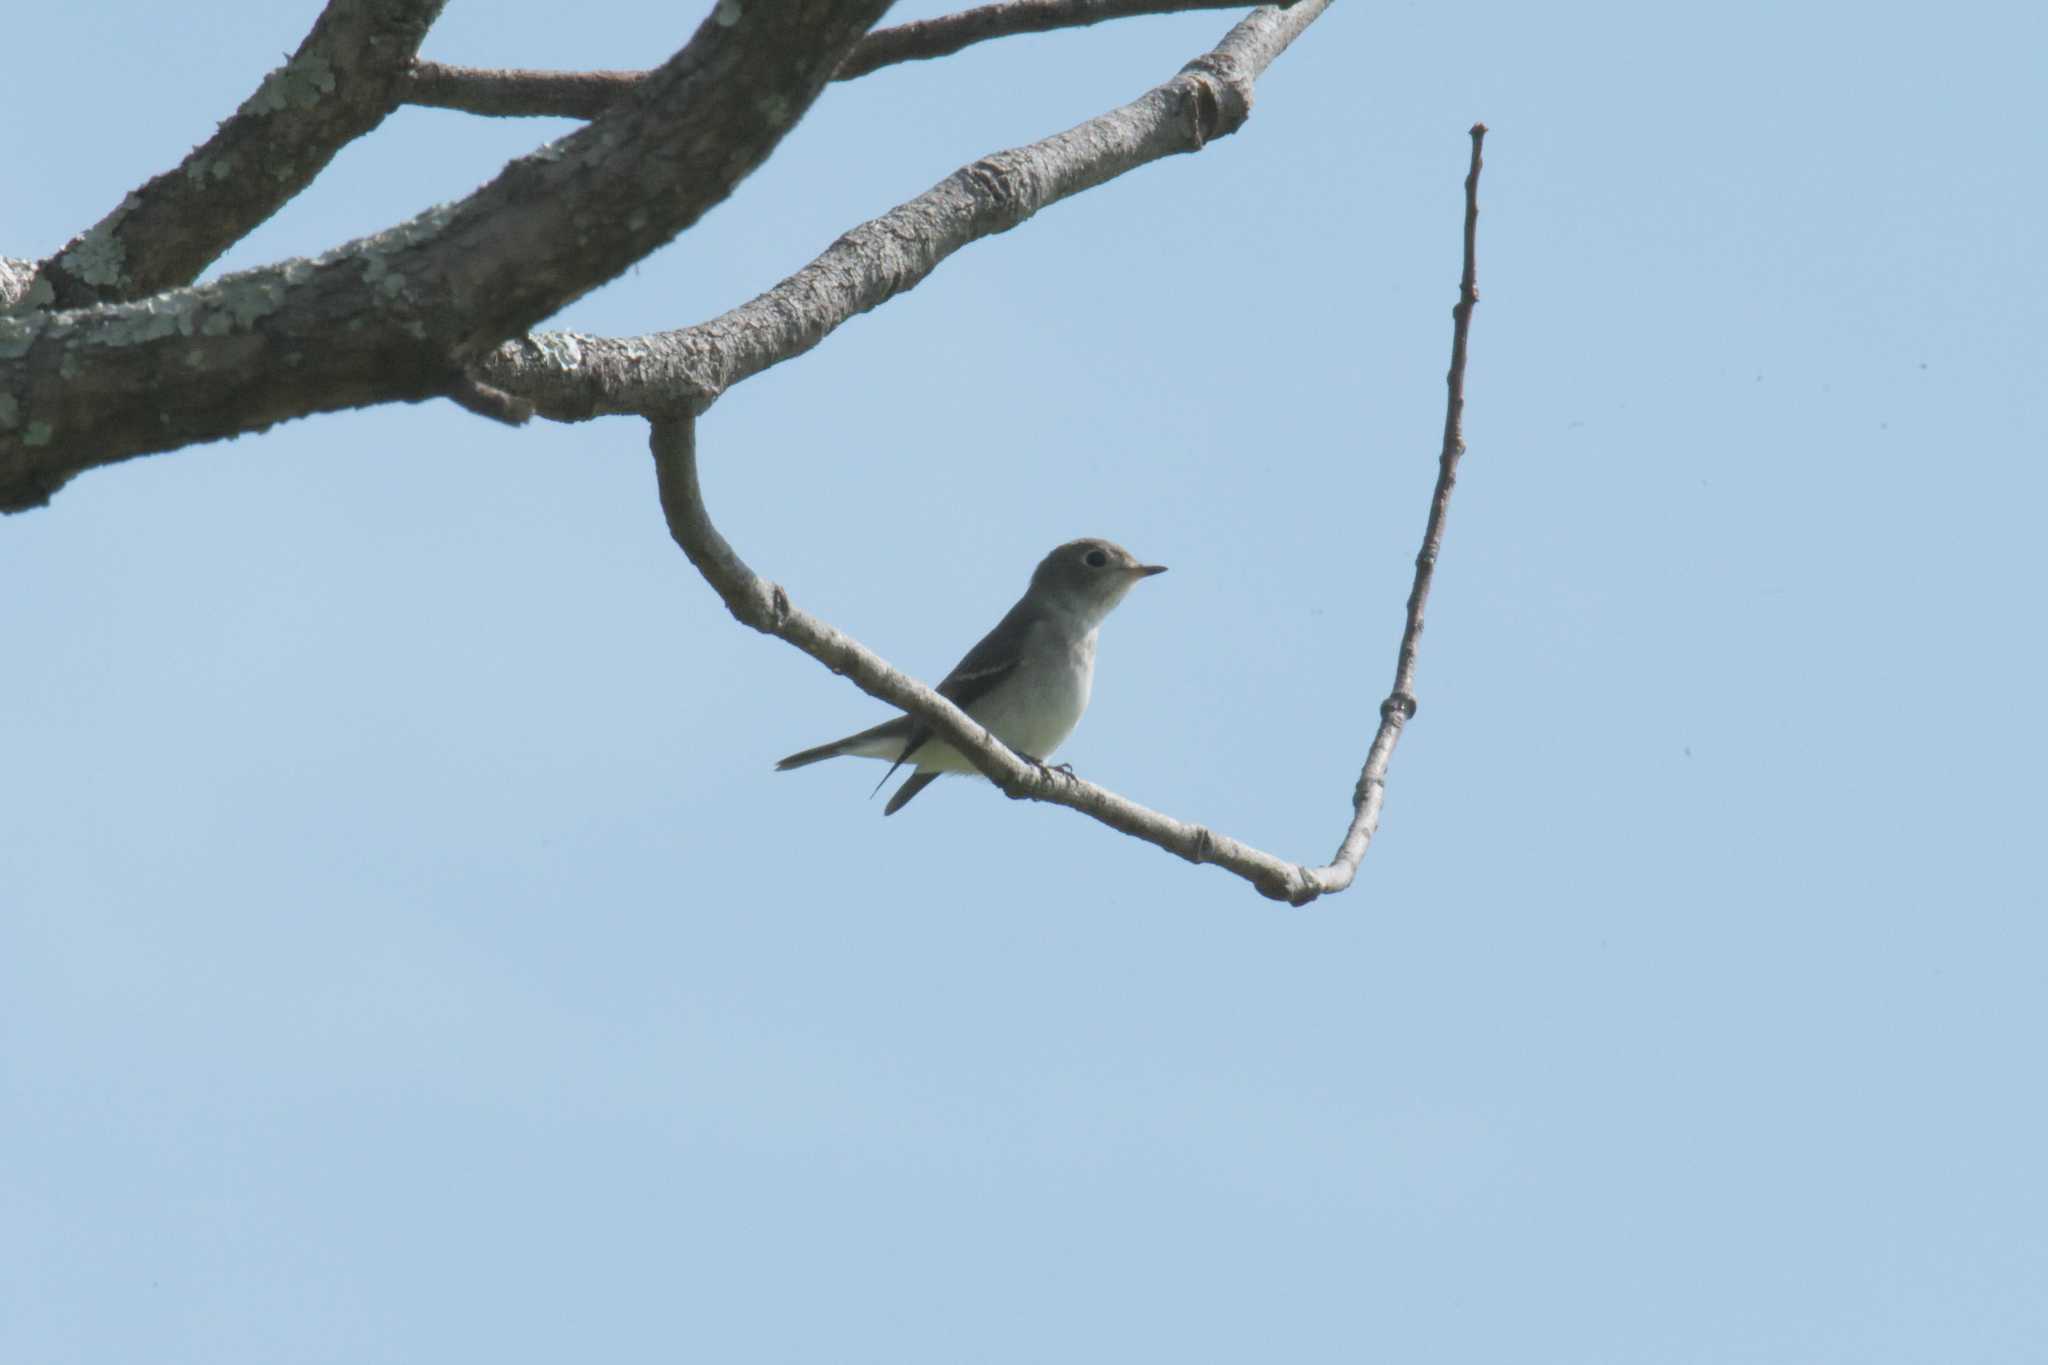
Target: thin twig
{"type": "Point", "coordinates": [948, 33]}
{"type": "Point", "coordinates": [519, 93]}
{"type": "Point", "coordinates": [1400, 704]}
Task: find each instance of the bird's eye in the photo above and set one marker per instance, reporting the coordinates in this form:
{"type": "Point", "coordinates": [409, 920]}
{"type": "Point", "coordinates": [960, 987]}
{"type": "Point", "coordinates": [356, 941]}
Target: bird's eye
{"type": "Point", "coordinates": [1097, 559]}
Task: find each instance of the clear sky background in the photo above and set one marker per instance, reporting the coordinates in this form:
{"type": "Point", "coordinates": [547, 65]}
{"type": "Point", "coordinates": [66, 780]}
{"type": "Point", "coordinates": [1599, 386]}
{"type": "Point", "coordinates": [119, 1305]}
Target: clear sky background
{"type": "Point", "coordinates": [408, 953]}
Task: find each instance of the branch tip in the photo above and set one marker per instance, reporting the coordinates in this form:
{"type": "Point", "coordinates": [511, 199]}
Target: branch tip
{"type": "Point", "coordinates": [1369, 794]}
{"type": "Point", "coordinates": [487, 401]}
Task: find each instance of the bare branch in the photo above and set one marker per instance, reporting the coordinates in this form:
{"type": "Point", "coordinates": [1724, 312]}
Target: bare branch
{"type": "Point", "coordinates": [948, 33]}
{"type": "Point", "coordinates": [767, 608]}
{"type": "Point", "coordinates": [571, 376]}
{"type": "Point", "coordinates": [345, 77]}
{"type": "Point", "coordinates": [1400, 704]}
{"type": "Point", "coordinates": [516, 93]}
{"type": "Point", "coordinates": [395, 316]}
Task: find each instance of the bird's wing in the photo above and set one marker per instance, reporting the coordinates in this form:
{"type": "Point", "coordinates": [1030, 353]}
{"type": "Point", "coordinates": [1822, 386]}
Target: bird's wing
{"type": "Point", "coordinates": [994, 657]}
{"type": "Point", "coordinates": [917, 783]}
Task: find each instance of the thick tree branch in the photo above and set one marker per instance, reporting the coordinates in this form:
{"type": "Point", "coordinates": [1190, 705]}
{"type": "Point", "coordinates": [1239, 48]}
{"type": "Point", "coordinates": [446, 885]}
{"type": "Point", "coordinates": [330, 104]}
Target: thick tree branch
{"type": "Point", "coordinates": [345, 77]}
{"type": "Point", "coordinates": [398, 315]}
{"type": "Point", "coordinates": [570, 376]}
{"type": "Point", "coordinates": [517, 93]}
{"type": "Point", "coordinates": [767, 608]}
{"type": "Point", "coordinates": [585, 94]}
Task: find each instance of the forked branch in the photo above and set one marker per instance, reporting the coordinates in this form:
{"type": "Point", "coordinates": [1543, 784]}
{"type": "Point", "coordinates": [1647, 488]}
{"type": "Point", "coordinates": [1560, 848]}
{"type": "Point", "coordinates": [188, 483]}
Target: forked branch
{"type": "Point", "coordinates": [345, 77]}
{"type": "Point", "coordinates": [767, 607]}
{"type": "Point", "coordinates": [570, 376]}
{"type": "Point", "coordinates": [398, 316]}
{"type": "Point", "coordinates": [517, 93]}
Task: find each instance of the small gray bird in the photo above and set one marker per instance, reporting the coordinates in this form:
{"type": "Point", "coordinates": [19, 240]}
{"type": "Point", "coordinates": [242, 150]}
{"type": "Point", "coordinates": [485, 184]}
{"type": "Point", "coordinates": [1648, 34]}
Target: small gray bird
{"type": "Point", "coordinates": [1027, 681]}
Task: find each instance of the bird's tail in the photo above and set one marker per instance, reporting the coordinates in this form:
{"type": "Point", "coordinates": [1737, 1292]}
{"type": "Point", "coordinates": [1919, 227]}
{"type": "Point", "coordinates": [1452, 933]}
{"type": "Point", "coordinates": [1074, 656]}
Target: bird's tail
{"type": "Point", "coordinates": [877, 741]}
{"type": "Point", "coordinates": [817, 755]}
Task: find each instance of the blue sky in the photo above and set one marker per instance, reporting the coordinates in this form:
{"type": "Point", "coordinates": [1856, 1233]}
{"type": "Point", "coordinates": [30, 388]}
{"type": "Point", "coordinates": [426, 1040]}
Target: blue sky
{"type": "Point", "coordinates": [407, 951]}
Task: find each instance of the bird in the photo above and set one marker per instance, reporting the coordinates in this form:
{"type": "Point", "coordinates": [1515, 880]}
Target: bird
{"type": "Point", "coordinates": [1027, 680]}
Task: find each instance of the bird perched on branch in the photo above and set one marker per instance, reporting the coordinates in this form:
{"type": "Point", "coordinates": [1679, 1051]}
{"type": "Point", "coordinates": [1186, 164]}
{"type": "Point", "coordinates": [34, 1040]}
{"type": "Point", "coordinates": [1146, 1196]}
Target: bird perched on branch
{"type": "Point", "coordinates": [1027, 681]}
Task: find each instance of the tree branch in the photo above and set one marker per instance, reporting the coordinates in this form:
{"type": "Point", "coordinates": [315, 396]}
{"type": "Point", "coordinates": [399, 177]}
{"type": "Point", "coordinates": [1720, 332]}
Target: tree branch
{"type": "Point", "coordinates": [515, 93]}
{"type": "Point", "coordinates": [1399, 706]}
{"type": "Point", "coordinates": [398, 315]}
{"type": "Point", "coordinates": [767, 608]}
{"type": "Point", "coordinates": [345, 77]}
{"type": "Point", "coordinates": [942, 36]}
{"type": "Point", "coordinates": [570, 376]}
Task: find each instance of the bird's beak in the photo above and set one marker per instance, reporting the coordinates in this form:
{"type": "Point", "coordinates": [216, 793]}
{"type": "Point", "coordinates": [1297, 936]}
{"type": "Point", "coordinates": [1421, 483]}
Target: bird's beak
{"type": "Point", "coordinates": [1147, 570]}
